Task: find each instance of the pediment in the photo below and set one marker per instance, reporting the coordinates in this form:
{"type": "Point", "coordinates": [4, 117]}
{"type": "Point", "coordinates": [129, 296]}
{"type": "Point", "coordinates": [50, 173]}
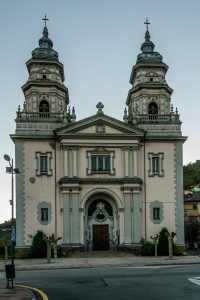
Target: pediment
{"type": "Point", "coordinates": [99, 124]}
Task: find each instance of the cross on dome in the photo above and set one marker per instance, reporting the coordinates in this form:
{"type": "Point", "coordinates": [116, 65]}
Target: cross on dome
{"type": "Point", "coordinates": [147, 23]}
{"type": "Point", "coordinates": [45, 20]}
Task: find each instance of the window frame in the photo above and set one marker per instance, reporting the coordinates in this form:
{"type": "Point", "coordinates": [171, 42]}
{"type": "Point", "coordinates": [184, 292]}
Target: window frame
{"type": "Point", "coordinates": [156, 164]}
{"type": "Point", "coordinates": [98, 153]}
{"type": "Point", "coordinates": [156, 205]}
{"type": "Point", "coordinates": [47, 170]}
{"type": "Point", "coordinates": [44, 205]}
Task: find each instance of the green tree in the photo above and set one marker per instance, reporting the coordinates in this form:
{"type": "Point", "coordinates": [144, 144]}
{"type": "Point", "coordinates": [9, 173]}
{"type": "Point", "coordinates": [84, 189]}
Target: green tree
{"type": "Point", "coordinates": [5, 230]}
{"type": "Point", "coordinates": [38, 247]}
{"type": "Point", "coordinates": [163, 246]}
{"type": "Point", "coordinates": [192, 229]}
{"type": "Point", "coordinates": [191, 173]}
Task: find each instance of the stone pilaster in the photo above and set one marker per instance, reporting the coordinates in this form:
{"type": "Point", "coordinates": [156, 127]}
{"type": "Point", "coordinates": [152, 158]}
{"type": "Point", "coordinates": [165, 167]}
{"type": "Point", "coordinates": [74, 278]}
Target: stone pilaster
{"type": "Point", "coordinates": [66, 218]}
{"type": "Point", "coordinates": [136, 218]}
{"type": "Point", "coordinates": [75, 217]}
{"type": "Point", "coordinates": [179, 194]}
{"type": "Point", "coordinates": [127, 217]}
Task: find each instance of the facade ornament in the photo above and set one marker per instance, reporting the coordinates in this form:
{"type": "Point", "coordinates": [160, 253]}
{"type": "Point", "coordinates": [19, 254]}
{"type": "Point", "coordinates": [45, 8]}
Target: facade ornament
{"type": "Point", "coordinates": [24, 106]}
{"type": "Point", "coordinates": [172, 109]}
{"type": "Point", "coordinates": [73, 115]}
{"type": "Point", "coordinates": [125, 115]}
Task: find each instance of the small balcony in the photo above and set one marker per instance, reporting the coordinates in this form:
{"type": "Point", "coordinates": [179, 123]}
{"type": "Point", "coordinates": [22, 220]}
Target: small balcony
{"type": "Point", "coordinates": [158, 119]}
{"type": "Point", "coordinates": [39, 116]}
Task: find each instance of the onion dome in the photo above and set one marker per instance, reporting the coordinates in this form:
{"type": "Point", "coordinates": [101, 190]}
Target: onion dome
{"type": "Point", "coordinates": [45, 49]}
{"type": "Point", "coordinates": [148, 54]}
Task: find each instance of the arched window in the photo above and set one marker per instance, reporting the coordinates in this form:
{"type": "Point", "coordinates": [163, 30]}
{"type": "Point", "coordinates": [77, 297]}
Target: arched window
{"type": "Point", "coordinates": [153, 108]}
{"type": "Point", "coordinates": [44, 109]}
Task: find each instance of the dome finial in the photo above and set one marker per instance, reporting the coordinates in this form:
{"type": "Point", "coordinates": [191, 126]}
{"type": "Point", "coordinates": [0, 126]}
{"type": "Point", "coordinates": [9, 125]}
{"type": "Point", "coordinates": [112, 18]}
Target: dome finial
{"type": "Point", "coordinates": [45, 20]}
{"type": "Point", "coordinates": [146, 23]}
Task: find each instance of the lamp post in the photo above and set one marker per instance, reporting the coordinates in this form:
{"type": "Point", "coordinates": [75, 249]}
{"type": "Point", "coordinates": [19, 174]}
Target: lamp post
{"type": "Point", "coordinates": [11, 170]}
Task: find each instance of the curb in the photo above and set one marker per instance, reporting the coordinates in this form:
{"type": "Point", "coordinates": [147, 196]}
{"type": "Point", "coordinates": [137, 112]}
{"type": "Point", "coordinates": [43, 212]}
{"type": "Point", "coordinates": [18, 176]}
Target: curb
{"type": "Point", "coordinates": [42, 295]}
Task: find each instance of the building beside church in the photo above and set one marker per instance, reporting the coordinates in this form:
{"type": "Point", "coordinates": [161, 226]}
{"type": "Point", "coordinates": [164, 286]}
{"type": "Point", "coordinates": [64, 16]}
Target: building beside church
{"type": "Point", "coordinates": [98, 183]}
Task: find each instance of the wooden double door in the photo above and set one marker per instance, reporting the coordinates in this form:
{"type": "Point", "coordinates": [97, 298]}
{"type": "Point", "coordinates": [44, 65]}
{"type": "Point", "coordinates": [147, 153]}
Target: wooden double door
{"type": "Point", "coordinates": [100, 237]}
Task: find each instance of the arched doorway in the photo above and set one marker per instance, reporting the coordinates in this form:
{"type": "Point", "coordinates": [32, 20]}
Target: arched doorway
{"type": "Point", "coordinates": [101, 223]}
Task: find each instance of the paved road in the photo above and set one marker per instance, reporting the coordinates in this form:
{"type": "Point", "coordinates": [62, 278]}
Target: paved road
{"type": "Point", "coordinates": [145, 283]}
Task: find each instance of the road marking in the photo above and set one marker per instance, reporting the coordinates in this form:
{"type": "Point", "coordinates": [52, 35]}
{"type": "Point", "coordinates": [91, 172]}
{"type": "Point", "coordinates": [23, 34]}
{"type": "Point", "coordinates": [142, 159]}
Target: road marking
{"type": "Point", "coordinates": [41, 293]}
{"type": "Point", "coordinates": [151, 267]}
{"type": "Point", "coordinates": [195, 280]}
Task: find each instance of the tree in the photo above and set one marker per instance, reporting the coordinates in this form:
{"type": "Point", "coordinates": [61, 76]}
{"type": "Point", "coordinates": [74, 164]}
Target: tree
{"type": "Point", "coordinates": [191, 174]}
{"type": "Point", "coordinates": [38, 247]}
{"type": "Point", "coordinates": [163, 242]}
{"type": "Point", "coordinates": [192, 228]}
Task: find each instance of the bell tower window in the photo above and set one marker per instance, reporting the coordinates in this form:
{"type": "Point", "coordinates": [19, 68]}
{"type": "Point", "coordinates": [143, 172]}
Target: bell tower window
{"type": "Point", "coordinates": [44, 109]}
{"type": "Point", "coordinates": [44, 76]}
{"type": "Point", "coordinates": [153, 108]}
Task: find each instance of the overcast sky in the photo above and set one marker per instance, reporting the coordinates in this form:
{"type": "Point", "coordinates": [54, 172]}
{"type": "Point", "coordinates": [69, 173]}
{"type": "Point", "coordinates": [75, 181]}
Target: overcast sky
{"type": "Point", "coordinates": [98, 42]}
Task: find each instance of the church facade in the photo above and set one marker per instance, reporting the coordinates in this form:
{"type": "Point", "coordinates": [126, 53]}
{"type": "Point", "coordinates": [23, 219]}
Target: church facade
{"type": "Point", "coordinates": [98, 183]}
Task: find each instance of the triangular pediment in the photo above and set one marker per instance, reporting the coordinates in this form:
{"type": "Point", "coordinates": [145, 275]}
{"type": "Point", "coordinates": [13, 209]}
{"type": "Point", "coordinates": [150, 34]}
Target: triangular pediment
{"type": "Point", "coordinates": [99, 124]}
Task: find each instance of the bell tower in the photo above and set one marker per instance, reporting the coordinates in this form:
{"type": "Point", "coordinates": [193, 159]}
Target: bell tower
{"type": "Point", "coordinates": [149, 99]}
{"type": "Point", "coordinates": [46, 96]}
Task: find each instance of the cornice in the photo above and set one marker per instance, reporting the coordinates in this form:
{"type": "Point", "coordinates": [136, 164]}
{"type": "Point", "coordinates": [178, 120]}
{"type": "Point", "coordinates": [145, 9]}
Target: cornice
{"type": "Point", "coordinates": [94, 180]}
{"type": "Point", "coordinates": [45, 83]}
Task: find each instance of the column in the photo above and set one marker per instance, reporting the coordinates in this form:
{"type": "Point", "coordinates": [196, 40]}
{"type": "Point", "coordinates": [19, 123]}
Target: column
{"type": "Point", "coordinates": [135, 162]}
{"type": "Point", "coordinates": [65, 162]}
{"type": "Point", "coordinates": [66, 219]}
{"type": "Point", "coordinates": [136, 218]}
{"type": "Point", "coordinates": [75, 218]}
{"type": "Point", "coordinates": [74, 162]}
{"type": "Point", "coordinates": [126, 162]}
{"type": "Point", "coordinates": [127, 217]}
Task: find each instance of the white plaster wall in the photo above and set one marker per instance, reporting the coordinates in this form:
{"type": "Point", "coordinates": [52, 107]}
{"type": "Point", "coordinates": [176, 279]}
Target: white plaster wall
{"type": "Point", "coordinates": [160, 189]}
{"type": "Point", "coordinates": [41, 190]}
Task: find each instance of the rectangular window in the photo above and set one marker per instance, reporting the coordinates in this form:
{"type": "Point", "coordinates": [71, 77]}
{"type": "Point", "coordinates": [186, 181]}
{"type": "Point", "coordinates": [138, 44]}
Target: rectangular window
{"type": "Point", "coordinates": [156, 213]}
{"type": "Point", "coordinates": [100, 162]}
{"type": "Point", "coordinates": [155, 164]}
{"type": "Point", "coordinates": [44, 214]}
{"type": "Point", "coordinates": [43, 164]}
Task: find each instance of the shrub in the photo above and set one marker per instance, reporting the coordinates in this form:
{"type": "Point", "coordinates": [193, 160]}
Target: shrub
{"type": "Point", "coordinates": [23, 253]}
{"type": "Point", "coordinates": [179, 250]}
{"type": "Point", "coordinates": [163, 247]}
{"type": "Point", "coordinates": [39, 247]}
{"type": "Point", "coordinates": [148, 248]}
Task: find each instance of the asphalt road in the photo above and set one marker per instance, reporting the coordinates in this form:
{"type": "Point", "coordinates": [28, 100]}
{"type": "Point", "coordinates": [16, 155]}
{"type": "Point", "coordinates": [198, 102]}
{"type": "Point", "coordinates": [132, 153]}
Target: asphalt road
{"type": "Point", "coordinates": [145, 283]}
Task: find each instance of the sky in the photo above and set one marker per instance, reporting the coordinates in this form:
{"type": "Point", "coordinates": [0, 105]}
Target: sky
{"type": "Point", "coordinates": [98, 42]}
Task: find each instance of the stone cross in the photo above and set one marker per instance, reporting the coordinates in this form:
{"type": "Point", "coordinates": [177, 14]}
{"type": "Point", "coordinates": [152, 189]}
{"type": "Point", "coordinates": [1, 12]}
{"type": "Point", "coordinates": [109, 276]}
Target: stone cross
{"type": "Point", "coordinates": [100, 106]}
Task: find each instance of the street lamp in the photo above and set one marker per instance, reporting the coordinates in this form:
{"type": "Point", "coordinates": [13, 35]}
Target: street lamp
{"type": "Point", "coordinates": [11, 170]}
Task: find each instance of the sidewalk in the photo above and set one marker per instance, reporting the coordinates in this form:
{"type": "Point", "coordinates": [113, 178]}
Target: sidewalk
{"type": "Point", "coordinates": [84, 260]}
